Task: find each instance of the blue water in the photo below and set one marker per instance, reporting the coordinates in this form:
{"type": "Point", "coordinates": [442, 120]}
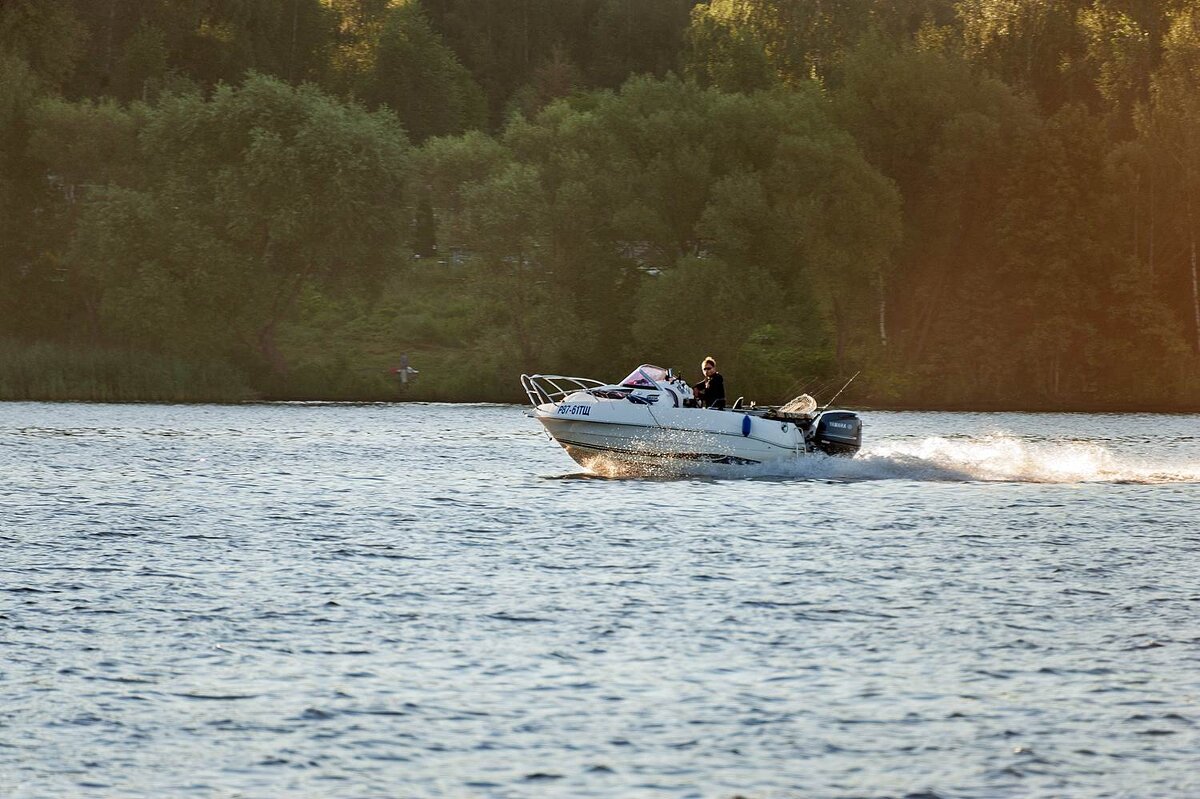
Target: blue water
{"type": "Point", "coordinates": [434, 601]}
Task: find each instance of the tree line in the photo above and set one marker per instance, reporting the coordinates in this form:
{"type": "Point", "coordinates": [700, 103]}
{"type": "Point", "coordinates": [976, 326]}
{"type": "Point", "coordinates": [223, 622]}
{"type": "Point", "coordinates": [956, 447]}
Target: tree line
{"type": "Point", "coordinates": [977, 203]}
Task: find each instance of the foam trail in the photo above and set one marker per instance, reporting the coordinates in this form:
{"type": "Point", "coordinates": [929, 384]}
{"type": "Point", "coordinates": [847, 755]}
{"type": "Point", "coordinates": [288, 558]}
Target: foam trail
{"type": "Point", "coordinates": [997, 457]}
{"type": "Point", "coordinates": [1006, 458]}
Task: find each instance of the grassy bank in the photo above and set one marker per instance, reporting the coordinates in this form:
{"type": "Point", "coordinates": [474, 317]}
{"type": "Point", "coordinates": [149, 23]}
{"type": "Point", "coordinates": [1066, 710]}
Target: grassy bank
{"type": "Point", "coordinates": [45, 371]}
{"type": "Point", "coordinates": [330, 365]}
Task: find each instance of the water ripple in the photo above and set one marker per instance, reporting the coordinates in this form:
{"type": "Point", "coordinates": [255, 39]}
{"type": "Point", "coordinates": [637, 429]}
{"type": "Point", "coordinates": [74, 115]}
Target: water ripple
{"type": "Point", "coordinates": [428, 600]}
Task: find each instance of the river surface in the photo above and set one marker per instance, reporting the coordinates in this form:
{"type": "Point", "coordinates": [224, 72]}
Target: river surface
{"type": "Point", "coordinates": [435, 601]}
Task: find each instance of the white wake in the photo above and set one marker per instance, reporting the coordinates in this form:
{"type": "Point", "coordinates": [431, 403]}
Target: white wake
{"type": "Point", "coordinates": [996, 457]}
{"type": "Point", "coordinates": [999, 458]}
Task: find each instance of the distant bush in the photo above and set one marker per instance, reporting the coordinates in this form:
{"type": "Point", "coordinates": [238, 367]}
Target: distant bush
{"type": "Point", "coordinates": [332, 380]}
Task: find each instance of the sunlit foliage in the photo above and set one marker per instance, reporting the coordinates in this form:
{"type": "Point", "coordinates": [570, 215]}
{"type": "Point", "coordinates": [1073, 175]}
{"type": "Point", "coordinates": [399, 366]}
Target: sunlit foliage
{"type": "Point", "coordinates": [977, 202]}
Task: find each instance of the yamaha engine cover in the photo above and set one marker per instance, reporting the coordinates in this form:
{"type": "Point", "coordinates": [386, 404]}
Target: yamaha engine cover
{"type": "Point", "coordinates": [838, 433]}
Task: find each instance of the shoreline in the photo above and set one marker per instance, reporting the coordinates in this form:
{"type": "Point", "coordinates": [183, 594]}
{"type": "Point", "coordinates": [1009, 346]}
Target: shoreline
{"type": "Point", "coordinates": [895, 407]}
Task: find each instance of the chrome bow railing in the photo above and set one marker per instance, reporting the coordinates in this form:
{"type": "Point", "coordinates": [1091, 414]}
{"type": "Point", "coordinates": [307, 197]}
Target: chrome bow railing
{"type": "Point", "coordinates": [543, 389]}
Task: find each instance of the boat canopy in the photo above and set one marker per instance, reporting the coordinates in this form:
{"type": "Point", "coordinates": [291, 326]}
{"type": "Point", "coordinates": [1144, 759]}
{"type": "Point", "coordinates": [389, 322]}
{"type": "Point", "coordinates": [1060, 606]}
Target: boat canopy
{"type": "Point", "coordinates": [645, 376]}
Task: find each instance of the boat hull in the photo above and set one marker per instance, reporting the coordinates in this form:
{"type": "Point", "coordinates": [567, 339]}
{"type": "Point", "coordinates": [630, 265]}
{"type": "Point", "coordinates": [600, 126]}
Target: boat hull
{"type": "Point", "coordinates": [650, 420]}
{"type": "Point", "coordinates": [678, 439]}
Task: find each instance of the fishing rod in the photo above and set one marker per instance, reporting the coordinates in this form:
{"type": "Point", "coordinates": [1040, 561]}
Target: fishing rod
{"type": "Point", "coordinates": [843, 388]}
{"type": "Point", "coordinates": [806, 386]}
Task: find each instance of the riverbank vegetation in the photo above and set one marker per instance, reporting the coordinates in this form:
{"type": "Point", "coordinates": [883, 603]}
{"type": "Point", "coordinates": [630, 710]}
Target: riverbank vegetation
{"type": "Point", "coordinates": [974, 203]}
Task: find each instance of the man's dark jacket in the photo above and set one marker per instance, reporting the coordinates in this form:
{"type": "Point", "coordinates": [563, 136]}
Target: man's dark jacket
{"type": "Point", "coordinates": [711, 391]}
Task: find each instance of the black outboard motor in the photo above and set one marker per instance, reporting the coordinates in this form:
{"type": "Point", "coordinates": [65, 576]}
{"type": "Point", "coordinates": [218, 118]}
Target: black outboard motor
{"type": "Point", "coordinates": [838, 433]}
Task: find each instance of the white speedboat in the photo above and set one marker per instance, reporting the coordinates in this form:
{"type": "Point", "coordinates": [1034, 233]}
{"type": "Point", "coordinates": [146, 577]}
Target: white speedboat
{"type": "Point", "coordinates": [650, 419]}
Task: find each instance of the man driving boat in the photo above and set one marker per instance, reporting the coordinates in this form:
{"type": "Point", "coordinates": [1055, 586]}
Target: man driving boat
{"type": "Point", "coordinates": [710, 392]}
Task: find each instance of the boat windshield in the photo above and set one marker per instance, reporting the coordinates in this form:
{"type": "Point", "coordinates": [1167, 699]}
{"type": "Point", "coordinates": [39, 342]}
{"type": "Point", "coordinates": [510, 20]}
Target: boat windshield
{"type": "Point", "coordinates": [645, 375]}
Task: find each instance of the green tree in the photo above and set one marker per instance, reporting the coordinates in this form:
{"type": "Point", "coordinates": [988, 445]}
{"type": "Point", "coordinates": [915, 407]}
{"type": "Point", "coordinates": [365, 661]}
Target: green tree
{"type": "Point", "coordinates": [45, 34]}
{"type": "Point", "coordinates": [502, 42]}
{"type": "Point", "coordinates": [721, 53]}
{"type": "Point", "coordinates": [445, 167]}
{"type": "Point", "coordinates": [1145, 345]}
{"type": "Point", "coordinates": [21, 188]}
{"type": "Point", "coordinates": [1120, 54]}
{"type": "Point", "coordinates": [416, 75]}
{"type": "Point", "coordinates": [945, 135]}
{"type": "Point", "coordinates": [249, 196]}
{"type": "Point", "coordinates": [136, 49]}
{"type": "Point", "coordinates": [1168, 126]}
{"type": "Point", "coordinates": [40, 43]}
{"type": "Point", "coordinates": [74, 148]}
{"type": "Point", "coordinates": [557, 77]}
{"type": "Point", "coordinates": [736, 44]}
{"type": "Point", "coordinates": [1054, 258]}
{"type": "Point", "coordinates": [650, 184]}
{"type": "Point", "coordinates": [357, 30]}
{"type": "Point", "coordinates": [87, 143]}
{"type": "Point", "coordinates": [635, 37]}
{"type": "Point", "coordinates": [1030, 44]}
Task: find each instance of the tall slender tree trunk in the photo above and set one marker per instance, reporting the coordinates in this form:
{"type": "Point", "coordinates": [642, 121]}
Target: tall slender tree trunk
{"type": "Point", "coordinates": [1153, 215]}
{"type": "Point", "coordinates": [883, 340]}
{"type": "Point", "coordinates": [1191, 225]}
{"type": "Point", "coordinates": [270, 351]}
{"type": "Point", "coordinates": [1195, 293]}
{"type": "Point", "coordinates": [525, 46]}
{"type": "Point", "coordinates": [1137, 218]}
{"type": "Point", "coordinates": [928, 312]}
{"type": "Point", "coordinates": [283, 301]}
{"type": "Point", "coordinates": [108, 39]}
{"type": "Point", "coordinates": [291, 70]}
{"type": "Point", "coordinates": [839, 334]}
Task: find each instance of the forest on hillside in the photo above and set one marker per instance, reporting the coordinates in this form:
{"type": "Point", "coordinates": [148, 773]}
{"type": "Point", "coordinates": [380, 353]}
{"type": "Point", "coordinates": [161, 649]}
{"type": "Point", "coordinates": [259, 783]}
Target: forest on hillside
{"type": "Point", "coordinates": [972, 203]}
